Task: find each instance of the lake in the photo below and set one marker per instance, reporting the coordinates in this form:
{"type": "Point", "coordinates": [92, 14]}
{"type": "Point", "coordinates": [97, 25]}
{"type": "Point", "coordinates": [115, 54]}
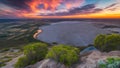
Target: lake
{"type": "Point", "coordinates": [77, 33]}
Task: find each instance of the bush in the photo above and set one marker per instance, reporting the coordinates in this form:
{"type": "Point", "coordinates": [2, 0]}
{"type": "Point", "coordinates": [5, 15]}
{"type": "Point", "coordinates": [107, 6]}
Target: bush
{"type": "Point", "coordinates": [2, 64]}
{"type": "Point", "coordinates": [110, 63]}
{"type": "Point", "coordinates": [33, 52]}
{"type": "Point", "coordinates": [5, 49]}
{"type": "Point", "coordinates": [99, 41]}
{"type": "Point", "coordinates": [64, 54]}
{"type": "Point", "coordinates": [107, 42]}
{"type": "Point", "coordinates": [36, 51]}
{"type": "Point", "coordinates": [22, 62]}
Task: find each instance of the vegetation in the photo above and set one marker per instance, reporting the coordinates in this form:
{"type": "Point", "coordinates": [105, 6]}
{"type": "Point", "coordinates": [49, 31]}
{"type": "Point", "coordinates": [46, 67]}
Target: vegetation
{"type": "Point", "coordinates": [4, 50]}
{"type": "Point", "coordinates": [33, 52]}
{"type": "Point", "coordinates": [8, 54]}
{"type": "Point", "coordinates": [64, 54]}
{"type": "Point", "coordinates": [110, 63]}
{"type": "Point", "coordinates": [22, 62]}
{"type": "Point", "coordinates": [36, 51]}
{"type": "Point", "coordinates": [107, 42]}
{"type": "Point", "coordinates": [3, 61]}
{"type": "Point", "coordinates": [2, 64]}
{"type": "Point", "coordinates": [19, 34]}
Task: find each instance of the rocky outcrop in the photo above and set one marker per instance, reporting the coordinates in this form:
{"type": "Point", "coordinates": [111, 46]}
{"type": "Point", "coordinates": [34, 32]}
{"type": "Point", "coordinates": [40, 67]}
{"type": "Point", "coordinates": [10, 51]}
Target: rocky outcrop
{"type": "Point", "coordinates": [12, 62]}
{"type": "Point", "coordinates": [87, 61]}
{"type": "Point", "coordinates": [92, 59]}
{"type": "Point", "coordinates": [51, 64]}
{"type": "Point", "coordinates": [47, 63]}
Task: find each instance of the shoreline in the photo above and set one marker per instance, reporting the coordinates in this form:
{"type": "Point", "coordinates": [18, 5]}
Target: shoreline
{"type": "Point", "coordinates": [69, 32]}
{"type": "Point", "coordinates": [37, 33]}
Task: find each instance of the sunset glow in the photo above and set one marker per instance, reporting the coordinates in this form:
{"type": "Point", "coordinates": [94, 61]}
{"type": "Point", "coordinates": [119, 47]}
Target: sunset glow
{"type": "Point", "coordinates": [60, 9]}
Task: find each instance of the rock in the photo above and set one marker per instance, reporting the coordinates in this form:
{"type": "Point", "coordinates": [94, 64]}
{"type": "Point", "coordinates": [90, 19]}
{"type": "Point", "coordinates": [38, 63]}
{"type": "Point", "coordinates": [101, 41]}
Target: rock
{"type": "Point", "coordinates": [90, 60]}
{"type": "Point", "coordinates": [87, 61]}
{"type": "Point", "coordinates": [51, 64]}
{"type": "Point", "coordinates": [47, 63]}
{"type": "Point", "coordinates": [88, 50]}
{"type": "Point", "coordinates": [35, 65]}
{"type": "Point", "coordinates": [14, 50]}
{"type": "Point", "coordinates": [12, 62]}
{"type": "Point", "coordinates": [114, 53]}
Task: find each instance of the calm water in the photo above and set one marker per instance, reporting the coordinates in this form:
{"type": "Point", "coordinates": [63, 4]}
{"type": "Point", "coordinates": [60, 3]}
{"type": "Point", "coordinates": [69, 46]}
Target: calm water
{"type": "Point", "coordinates": [78, 33]}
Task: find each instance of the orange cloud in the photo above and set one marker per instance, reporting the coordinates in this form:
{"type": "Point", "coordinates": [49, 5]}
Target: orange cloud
{"type": "Point", "coordinates": [53, 4]}
{"type": "Point", "coordinates": [112, 11]}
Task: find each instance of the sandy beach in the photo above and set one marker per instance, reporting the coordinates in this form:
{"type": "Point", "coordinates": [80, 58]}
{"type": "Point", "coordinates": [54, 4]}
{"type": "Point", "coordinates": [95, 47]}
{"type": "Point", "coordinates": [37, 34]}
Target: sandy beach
{"type": "Point", "coordinates": [37, 33]}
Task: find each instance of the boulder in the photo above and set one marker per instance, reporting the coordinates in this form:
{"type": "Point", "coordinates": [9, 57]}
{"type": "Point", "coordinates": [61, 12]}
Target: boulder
{"type": "Point", "coordinates": [91, 60]}
{"type": "Point", "coordinates": [114, 53]}
{"type": "Point", "coordinates": [88, 50]}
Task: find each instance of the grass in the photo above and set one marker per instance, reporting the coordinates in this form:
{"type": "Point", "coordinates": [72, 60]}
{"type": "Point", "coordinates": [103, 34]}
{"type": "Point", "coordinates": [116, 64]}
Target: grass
{"type": "Point", "coordinates": [4, 50]}
{"type": "Point", "coordinates": [4, 60]}
{"type": "Point", "coordinates": [18, 34]}
{"type": "Point", "coordinates": [7, 55]}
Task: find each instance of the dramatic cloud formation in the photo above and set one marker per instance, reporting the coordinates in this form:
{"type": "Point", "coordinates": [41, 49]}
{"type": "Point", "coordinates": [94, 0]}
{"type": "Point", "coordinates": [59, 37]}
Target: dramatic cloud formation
{"type": "Point", "coordinates": [59, 8]}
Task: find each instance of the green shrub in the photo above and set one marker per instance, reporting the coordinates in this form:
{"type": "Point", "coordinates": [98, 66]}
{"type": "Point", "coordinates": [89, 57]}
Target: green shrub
{"type": "Point", "coordinates": [112, 42]}
{"type": "Point", "coordinates": [107, 42]}
{"type": "Point", "coordinates": [33, 53]}
{"type": "Point", "coordinates": [64, 54]}
{"type": "Point", "coordinates": [2, 64]}
{"type": "Point", "coordinates": [36, 51]}
{"type": "Point", "coordinates": [99, 41]}
{"type": "Point", "coordinates": [5, 49]}
{"type": "Point", "coordinates": [22, 62]}
{"type": "Point", "coordinates": [110, 63]}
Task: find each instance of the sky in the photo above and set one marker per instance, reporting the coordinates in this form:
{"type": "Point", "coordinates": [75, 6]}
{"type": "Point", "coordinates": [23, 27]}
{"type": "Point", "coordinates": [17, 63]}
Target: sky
{"type": "Point", "coordinates": [59, 9]}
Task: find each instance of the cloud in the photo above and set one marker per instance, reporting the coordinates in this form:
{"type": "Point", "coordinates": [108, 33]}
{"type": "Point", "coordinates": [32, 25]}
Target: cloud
{"type": "Point", "coordinates": [8, 14]}
{"type": "Point", "coordinates": [31, 8]}
{"type": "Point", "coordinates": [113, 7]}
{"type": "Point", "coordinates": [87, 9]}
{"type": "Point", "coordinates": [16, 4]}
{"type": "Point", "coordinates": [37, 5]}
{"type": "Point", "coordinates": [110, 6]}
